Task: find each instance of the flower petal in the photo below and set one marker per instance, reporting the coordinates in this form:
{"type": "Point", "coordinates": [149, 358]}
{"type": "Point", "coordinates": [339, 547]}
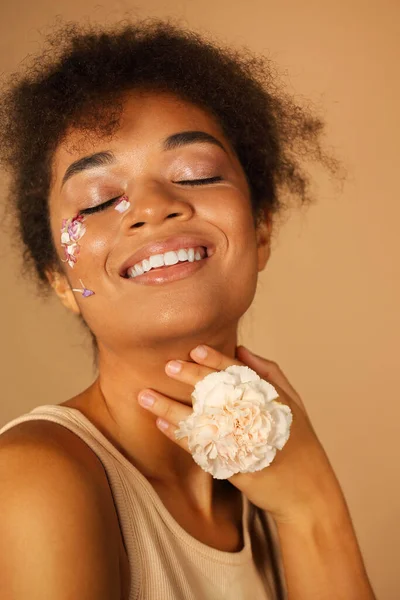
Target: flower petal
{"type": "Point", "coordinates": [236, 425]}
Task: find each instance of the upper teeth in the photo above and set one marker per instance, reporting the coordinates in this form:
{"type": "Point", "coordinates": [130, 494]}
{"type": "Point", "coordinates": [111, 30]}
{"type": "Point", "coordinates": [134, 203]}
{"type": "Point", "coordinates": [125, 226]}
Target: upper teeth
{"type": "Point", "coordinates": [168, 258]}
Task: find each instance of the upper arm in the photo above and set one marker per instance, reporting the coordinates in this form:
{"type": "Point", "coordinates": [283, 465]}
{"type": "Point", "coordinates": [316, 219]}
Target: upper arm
{"type": "Point", "coordinates": [57, 527]}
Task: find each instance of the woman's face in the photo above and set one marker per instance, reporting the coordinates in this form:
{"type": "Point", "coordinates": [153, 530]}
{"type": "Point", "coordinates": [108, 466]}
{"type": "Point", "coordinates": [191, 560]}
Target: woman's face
{"type": "Point", "coordinates": [159, 201]}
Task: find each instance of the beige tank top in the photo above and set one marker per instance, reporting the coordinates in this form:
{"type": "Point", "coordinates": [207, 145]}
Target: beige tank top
{"type": "Point", "coordinates": [167, 563]}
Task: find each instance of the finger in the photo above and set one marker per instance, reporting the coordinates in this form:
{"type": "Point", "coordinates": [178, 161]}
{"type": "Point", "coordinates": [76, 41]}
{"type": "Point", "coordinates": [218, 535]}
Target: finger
{"type": "Point", "coordinates": [192, 372]}
{"type": "Point", "coordinates": [186, 371]}
{"type": "Point", "coordinates": [171, 410]}
{"type": "Point", "coordinates": [169, 413]}
{"type": "Point", "coordinates": [169, 430]}
{"type": "Point", "coordinates": [271, 371]}
{"type": "Point", "coordinates": [212, 358]}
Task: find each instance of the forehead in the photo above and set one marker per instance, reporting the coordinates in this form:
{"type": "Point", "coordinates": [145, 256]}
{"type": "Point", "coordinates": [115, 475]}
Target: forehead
{"type": "Point", "coordinates": [146, 119]}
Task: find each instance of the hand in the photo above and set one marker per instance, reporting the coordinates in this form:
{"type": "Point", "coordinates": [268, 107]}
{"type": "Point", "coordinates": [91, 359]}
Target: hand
{"type": "Point", "coordinates": [300, 479]}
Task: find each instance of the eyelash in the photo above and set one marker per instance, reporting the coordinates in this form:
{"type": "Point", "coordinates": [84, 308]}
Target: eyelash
{"type": "Point", "coordinates": [199, 181]}
{"type": "Point", "coordinates": [105, 205]}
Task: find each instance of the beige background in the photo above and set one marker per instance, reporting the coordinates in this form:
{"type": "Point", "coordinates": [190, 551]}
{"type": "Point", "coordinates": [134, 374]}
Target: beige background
{"type": "Point", "coordinates": [327, 308]}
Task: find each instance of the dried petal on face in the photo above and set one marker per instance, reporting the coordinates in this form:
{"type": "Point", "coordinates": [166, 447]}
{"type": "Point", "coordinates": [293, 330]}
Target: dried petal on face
{"type": "Point", "coordinates": [65, 239]}
{"type": "Point", "coordinates": [87, 293]}
{"type": "Point", "coordinates": [71, 231]}
{"type": "Point", "coordinates": [123, 204]}
{"type": "Point", "coordinates": [76, 229]}
{"type": "Point", "coordinates": [83, 290]}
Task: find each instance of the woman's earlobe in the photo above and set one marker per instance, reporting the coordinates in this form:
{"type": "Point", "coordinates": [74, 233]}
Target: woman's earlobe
{"type": "Point", "coordinates": [63, 290]}
{"type": "Point", "coordinates": [263, 243]}
{"type": "Point", "coordinates": [263, 255]}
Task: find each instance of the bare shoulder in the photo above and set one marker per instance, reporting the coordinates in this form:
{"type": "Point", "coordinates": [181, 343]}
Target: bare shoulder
{"type": "Point", "coordinates": [58, 526]}
{"type": "Point", "coordinates": [48, 441]}
{"type": "Point", "coordinates": [48, 437]}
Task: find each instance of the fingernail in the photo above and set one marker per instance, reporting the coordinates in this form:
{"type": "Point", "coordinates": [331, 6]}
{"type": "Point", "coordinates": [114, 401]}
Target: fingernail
{"type": "Point", "coordinates": [146, 399]}
{"type": "Point", "coordinates": [162, 424]}
{"type": "Point", "coordinates": [200, 351]}
{"type": "Point", "coordinates": [174, 366]}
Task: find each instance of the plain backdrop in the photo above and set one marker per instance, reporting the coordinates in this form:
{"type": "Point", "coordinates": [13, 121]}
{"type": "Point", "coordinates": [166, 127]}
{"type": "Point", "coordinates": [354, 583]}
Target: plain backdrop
{"type": "Point", "coordinates": [327, 305]}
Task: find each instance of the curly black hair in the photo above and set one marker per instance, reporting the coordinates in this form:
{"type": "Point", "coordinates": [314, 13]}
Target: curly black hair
{"type": "Point", "coordinates": [78, 80]}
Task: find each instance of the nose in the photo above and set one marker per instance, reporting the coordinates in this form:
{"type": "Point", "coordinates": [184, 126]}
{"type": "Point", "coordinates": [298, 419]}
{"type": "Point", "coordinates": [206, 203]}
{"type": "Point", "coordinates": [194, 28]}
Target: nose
{"type": "Point", "coordinates": [153, 204]}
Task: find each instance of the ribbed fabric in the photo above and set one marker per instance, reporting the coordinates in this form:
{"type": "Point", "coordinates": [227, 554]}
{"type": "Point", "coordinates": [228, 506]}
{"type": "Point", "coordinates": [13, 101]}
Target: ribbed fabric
{"type": "Point", "coordinates": [167, 563]}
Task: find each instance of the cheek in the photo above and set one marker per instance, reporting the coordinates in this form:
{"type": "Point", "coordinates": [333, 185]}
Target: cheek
{"type": "Point", "coordinates": [98, 242]}
{"type": "Point", "coordinates": [238, 261]}
{"type": "Point", "coordinates": [243, 255]}
{"type": "Point", "coordinates": [238, 225]}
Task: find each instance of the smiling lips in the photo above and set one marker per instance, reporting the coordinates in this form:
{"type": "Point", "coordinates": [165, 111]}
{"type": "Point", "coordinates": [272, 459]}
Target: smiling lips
{"type": "Point", "coordinates": [169, 273]}
{"type": "Point", "coordinates": [167, 252]}
{"type": "Point", "coordinates": [167, 259]}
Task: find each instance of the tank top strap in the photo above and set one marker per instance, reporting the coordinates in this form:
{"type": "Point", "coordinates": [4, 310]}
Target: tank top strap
{"type": "Point", "coordinates": [76, 422]}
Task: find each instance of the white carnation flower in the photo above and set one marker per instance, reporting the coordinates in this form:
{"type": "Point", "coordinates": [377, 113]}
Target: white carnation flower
{"type": "Point", "coordinates": [236, 425]}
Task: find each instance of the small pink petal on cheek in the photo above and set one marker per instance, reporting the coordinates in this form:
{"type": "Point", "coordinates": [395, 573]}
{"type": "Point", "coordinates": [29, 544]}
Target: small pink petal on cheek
{"type": "Point", "coordinates": [123, 204]}
{"type": "Point", "coordinates": [84, 290]}
{"type": "Point", "coordinates": [71, 231]}
{"type": "Point", "coordinates": [87, 293]}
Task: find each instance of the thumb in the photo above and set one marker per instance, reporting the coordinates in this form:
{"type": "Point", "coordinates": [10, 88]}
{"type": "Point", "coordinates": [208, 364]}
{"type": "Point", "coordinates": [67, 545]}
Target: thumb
{"type": "Point", "coordinates": [269, 370]}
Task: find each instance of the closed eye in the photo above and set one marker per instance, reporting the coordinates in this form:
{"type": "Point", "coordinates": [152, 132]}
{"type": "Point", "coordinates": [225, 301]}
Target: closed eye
{"type": "Point", "coordinates": [105, 205]}
{"type": "Point", "coordinates": [199, 181]}
{"type": "Point", "coordinates": [98, 207]}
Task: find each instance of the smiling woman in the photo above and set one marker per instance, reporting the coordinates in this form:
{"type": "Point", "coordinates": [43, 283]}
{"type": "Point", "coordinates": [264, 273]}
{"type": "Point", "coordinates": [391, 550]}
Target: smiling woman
{"type": "Point", "coordinates": [147, 165]}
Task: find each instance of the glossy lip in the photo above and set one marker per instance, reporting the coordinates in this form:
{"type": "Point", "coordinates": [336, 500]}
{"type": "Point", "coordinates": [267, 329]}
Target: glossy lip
{"type": "Point", "coordinates": [163, 275]}
{"type": "Point", "coordinates": [162, 246]}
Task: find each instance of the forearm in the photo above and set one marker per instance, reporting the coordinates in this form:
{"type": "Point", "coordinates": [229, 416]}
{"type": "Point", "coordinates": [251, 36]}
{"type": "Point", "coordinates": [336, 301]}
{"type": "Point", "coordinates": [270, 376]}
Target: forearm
{"type": "Point", "coordinates": [321, 557]}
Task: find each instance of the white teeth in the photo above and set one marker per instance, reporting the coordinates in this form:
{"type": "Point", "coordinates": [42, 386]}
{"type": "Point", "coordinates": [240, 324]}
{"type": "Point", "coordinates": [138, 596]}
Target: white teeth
{"type": "Point", "coordinates": [139, 269]}
{"type": "Point", "coordinates": [167, 259]}
{"type": "Point", "coordinates": [182, 254]}
{"type": "Point", "coordinates": [146, 265]}
{"type": "Point", "coordinates": [171, 258]}
{"type": "Point", "coordinates": [156, 261]}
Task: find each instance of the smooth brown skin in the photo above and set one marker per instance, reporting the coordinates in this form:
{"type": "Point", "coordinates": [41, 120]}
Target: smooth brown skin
{"type": "Point", "coordinates": [139, 329]}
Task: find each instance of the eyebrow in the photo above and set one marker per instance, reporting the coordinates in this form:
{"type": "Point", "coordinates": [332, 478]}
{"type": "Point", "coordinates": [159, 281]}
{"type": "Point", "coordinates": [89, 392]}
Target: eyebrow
{"type": "Point", "coordinates": [176, 140]}
{"type": "Point", "coordinates": [190, 137]}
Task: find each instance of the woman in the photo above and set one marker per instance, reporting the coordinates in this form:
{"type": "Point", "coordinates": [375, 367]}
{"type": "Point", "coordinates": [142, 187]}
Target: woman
{"type": "Point", "coordinates": [147, 165]}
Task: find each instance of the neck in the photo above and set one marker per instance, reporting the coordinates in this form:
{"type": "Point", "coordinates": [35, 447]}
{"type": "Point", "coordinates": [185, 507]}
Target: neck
{"type": "Point", "coordinates": [112, 404]}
